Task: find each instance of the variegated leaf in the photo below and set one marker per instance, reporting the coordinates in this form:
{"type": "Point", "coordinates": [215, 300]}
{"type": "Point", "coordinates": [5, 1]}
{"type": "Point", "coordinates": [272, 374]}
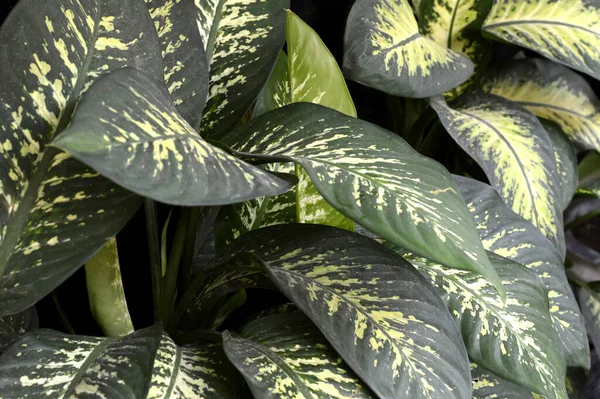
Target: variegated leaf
{"type": "Point", "coordinates": [106, 293]}
{"type": "Point", "coordinates": [55, 212]}
{"type": "Point", "coordinates": [488, 386]}
{"type": "Point", "coordinates": [566, 162]}
{"type": "Point", "coordinates": [566, 31]}
{"type": "Point", "coordinates": [145, 364]}
{"type": "Point", "coordinates": [185, 64]}
{"type": "Point", "coordinates": [589, 298]}
{"type": "Point", "coordinates": [553, 92]}
{"type": "Point", "coordinates": [515, 340]}
{"type": "Point", "coordinates": [383, 318]}
{"type": "Point", "coordinates": [373, 177]}
{"type": "Point", "coordinates": [242, 39]}
{"type": "Point", "coordinates": [128, 129]}
{"type": "Point", "coordinates": [285, 355]}
{"type": "Point", "coordinates": [515, 153]}
{"type": "Point", "coordinates": [276, 93]}
{"type": "Point", "coordinates": [507, 234]}
{"type": "Point", "coordinates": [13, 327]}
{"type": "Point", "coordinates": [383, 49]}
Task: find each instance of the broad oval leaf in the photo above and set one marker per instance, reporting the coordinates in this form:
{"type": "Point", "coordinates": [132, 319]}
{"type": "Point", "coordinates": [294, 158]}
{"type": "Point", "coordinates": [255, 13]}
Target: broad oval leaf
{"type": "Point", "coordinates": [185, 64]}
{"type": "Point", "coordinates": [553, 92]}
{"type": "Point", "coordinates": [55, 212]}
{"type": "Point", "coordinates": [285, 355]}
{"type": "Point", "coordinates": [383, 49]}
{"type": "Point", "coordinates": [566, 162]}
{"type": "Point", "coordinates": [384, 319]}
{"type": "Point", "coordinates": [373, 177]}
{"type": "Point", "coordinates": [515, 340]}
{"type": "Point", "coordinates": [128, 129]}
{"type": "Point", "coordinates": [145, 364]}
{"type": "Point", "coordinates": [507, 234]}
{"type": "Point", "coordinates": [566, 31]}
{"type": "Point", "coordinates": [13, 327]}
{"type": "Point", "coordinates": [514, 151]}
{"type": "Point", "coordinates": [242, 40]}
{"type": "Point", "coordinates": [487, 386]}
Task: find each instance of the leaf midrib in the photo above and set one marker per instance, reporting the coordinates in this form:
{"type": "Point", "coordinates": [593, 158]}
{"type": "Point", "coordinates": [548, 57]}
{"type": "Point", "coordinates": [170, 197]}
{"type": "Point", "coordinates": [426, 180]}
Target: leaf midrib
{"type": "Point", "coordinates": [94, 354]}
{"type": "Point", "coordinates": [214, 28]}
{"type": "Point", "coordinates": [538, 22]}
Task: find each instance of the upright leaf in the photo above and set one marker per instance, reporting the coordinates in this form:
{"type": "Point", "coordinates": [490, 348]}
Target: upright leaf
{"type": "Point", "coordinates": [129, 130]}
{"type": "Point", "coordinates": [553, 92]}
{"type": "Point", "coordinates": [487, 386]}
{"type": "Point", "coordinates": [566, 162]}
{"type": "Point", "coordinates": [507, 234]}
{"type": "Point", "coordinates": [242, 40]}
{"type": "Point", "coordinates": [54, 212]}
{"type": "Point", "coordinates": [285, 355]}
{"type": "Point", "coordinates": [13, 327]}
{"type": "Point", "coordinates": [373, 177]}
{"type": "Point", "coordinates": [515, 153]}
{"type": "Point", "coordinates": [384, 50]}
{"type": "Point", "coordinates": [565, 31]}
{"type": "Point", "coordinates": [184, 59]}
{"type": "Point", "coordinates": [145, 364]}
{"type": "Point", "coordinates": [381, 316]}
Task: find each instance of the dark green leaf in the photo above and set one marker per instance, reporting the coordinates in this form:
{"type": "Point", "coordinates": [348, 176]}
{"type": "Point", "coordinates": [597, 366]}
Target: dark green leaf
{"type": "Point", "coordinates": [13, 327]}
{"type": "Point", "coordinates": [566, 162]}
{"type": "Point", "coordinates": [589, 298]}
{"type": "Point", "coordinates": [488, 386]}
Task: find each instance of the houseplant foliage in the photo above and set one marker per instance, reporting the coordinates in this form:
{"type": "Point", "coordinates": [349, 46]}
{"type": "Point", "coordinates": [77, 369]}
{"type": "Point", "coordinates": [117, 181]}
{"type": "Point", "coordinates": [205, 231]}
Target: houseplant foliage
{"type": "Point", "coordinates": [296, 250]}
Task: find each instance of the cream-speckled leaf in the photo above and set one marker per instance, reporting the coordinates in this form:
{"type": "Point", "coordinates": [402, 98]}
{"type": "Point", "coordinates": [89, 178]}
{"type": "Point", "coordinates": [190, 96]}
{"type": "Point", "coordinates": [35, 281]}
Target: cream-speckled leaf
{"type": "Point", "coordinates": [127, 128]}
{"type": "Point", "coordinates": [106, 293]}
{"type": "Point", "coordinates": [507, 234]}
{"type": "Point", "coordinates": [276, 93]}
{"type": "Point", "coordinates": [566, 162]}
{"type": "Point", "coordinates": [553, 92]}
{"type": "Point", "coordinates": [145, 364]}
{"type": "Point", "coordinates": [373, 177]}
{"type": "Point", "coordinates": [284, 355]}
{"type": "Point", "coordinates": [488, 386]}
{"type": "Point", "coordinates": [242, 39]}
{"type": "Point", "coordinates": [515, 340]}
{"type": "Point", "coordinates": [13, 327]}
{"type": "Point", "coordinates": [514, 151]}
{"type": "Point", "coordinates": [383, 49]}
{"type": "Point", "coordinates": [55, 212]}
{"type": "Point", "coordinates": [566, 31]}
{"type": "Point", "coordinates": [384, 319]}
{"type": "Point", "coordinates": [185, 64]}
{"type": "Point", "coordinates": [589, 298]}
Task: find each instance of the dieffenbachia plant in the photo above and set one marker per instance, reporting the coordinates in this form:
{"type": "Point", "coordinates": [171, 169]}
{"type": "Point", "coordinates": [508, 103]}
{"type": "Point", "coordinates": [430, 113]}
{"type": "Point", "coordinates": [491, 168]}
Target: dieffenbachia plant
{"type": "Point", "coordinates": [294, 249]}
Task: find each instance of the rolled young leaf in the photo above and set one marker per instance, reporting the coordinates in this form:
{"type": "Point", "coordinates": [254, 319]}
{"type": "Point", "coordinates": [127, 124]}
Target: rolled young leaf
{"type": "Point", "coordinates": [127, 128]}
{"type": "Point", "coordinates": [373, 177]}
{"type": "Point", "coordinates": [384, 50]}
{"type": "Point", "coordinates": [565, 31]}
{"type": "Point", "coordinates": [54, 212]}
{"type": "Point", "coordinates": [514, 151]}
{"type": "Point", "coordinates": [383, 318]}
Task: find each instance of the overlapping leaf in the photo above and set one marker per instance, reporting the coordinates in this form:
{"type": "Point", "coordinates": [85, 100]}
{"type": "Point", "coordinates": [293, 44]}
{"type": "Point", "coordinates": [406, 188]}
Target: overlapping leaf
{"type": "Point", "coordinates": [589, 298]}
{"type": "Point", "coordinates": [507, 234]}
{"type": "Point", "coordinates": [515, 340]}
{"type": "Point", "coordinates": [145, 364]}
{"type": "Point", "coordinates": [566, 162]}
{"type": "Point", "coordinates": [381, 316]}
{"type": "Point", "coordinates": [384, 49]}
{"type": "Point", "coordinates": [54, 212]}
{"type": "Point", "coordinates": [242, 40]}
{"type": "Point", "coordinates": [285, 355]}
{"type": "Point", "coordinates": [553, 92]}
{"type": "Point", "coordinates": [185, 64]}
{"type": "Point", "coordinates": [373, 177]}
{"type": "Point", "coordinates": [515, 153]}
{"type": "Point", "coordinates": [129, 130]}
{"type": "Point", "coordinates": [13, 327]}
{"type": "Point", "coordinates": [566, 31]}
{"type": "Point", "coordinates": [487, 386]}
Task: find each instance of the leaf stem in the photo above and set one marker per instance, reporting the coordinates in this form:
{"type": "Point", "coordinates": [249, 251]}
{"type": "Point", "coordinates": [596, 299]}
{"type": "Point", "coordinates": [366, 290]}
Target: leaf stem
{"type": "Point", "coordinates": [61, 314]}
{"type": "Point", "coordinates": [189, 248]}
{"type": "Point", "coordinates": [153, 233]}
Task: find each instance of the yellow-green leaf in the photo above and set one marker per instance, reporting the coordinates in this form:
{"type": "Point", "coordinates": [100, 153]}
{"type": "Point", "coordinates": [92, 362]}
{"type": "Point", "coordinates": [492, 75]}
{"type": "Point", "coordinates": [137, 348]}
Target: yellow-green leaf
{"type": "Point", "coordinates": [383, 49]}
{"type": "Point", "coordinates": [565, 31]}
{"type": "Point", "coordinates": [514, 151]}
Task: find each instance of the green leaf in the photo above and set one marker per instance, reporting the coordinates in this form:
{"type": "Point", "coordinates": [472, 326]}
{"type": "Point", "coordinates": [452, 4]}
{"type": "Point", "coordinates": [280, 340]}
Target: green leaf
{"type": "Point", "coordinates": [591, 187]}
{"type": "Point", "coordinates": [589, 298]}
{"type": "Point", "coordinates": [373, 177]}
{"type": "Point", "coordinates": [553, 92]}
{"type": "Point", "coordinates": [13, 327]}
{"type": "Point", "coordinates": [128, 129]}
{"type": "Point", "coordinates": [563, 31]}
{"type": "Point", "coordinates": [566, 162]}
{"type": "Point", "coordinates": [507, 234]}
{"type": "Point", "coordinates": [515, 153]}
{"type": "Point", "coordinates": [515, 341]}
{"type": "Point", "coordinates": [145, 364]}
{"type": "Point", "coordinates": [487, 386]}
{"type": "Point", "coordinates": [277, 92]}
{"type": "Point", "coordinates": [54, 212]}
{"type": "Point", "coordinates": [383, 318]}
{"type": "Point", "coordinates": [106, 293]}
{"type": "Point", "coordinates": [185, 65]}
{"type": "Point", "coordinates": [384, 50]}
{"type": "Point", "coordinates": [285, 355]}
{"type": "Point", "coordinates": [242, 40]}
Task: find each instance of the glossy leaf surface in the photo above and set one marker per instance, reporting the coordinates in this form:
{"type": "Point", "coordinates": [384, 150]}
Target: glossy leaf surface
{"type": "Point", "coordinates": [129, 130]}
